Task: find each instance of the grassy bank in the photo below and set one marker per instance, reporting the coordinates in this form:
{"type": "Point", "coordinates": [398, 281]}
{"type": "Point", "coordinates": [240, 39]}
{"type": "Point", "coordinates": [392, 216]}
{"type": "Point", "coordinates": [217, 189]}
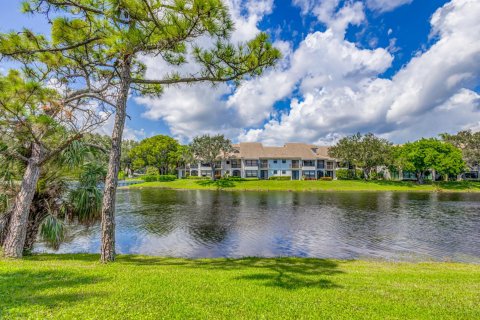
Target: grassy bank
{"type": "Point", "coordinates": [338, 185]}
{"type": "Point", "coordinates": [135, 287]}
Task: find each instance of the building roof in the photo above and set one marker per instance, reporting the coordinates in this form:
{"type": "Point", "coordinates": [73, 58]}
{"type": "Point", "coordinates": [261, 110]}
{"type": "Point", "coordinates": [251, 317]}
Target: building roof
{"type": "Point", "coordinates": [255, 150]}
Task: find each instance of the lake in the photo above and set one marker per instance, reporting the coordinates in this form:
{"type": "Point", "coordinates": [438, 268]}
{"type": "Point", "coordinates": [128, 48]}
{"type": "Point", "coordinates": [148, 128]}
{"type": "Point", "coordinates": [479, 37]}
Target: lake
{"type": "Point", "coordinates": [360, 225]}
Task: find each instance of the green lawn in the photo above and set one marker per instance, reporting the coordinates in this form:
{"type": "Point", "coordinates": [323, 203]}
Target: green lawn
{"type": "Point", "coordinates": [337, 185]}
{"type": "Point", "coordinates": [135, 287]}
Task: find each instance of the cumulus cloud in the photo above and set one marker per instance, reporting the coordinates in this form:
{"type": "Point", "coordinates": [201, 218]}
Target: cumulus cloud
{"type": "Point", "coordinates": [337, 88]}
{"type": "Point", "coordinates": [342, 91]}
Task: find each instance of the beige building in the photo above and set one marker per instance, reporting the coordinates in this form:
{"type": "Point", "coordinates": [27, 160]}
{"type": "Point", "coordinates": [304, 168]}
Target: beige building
{"type": "Point", "coordinates": [252, 159]}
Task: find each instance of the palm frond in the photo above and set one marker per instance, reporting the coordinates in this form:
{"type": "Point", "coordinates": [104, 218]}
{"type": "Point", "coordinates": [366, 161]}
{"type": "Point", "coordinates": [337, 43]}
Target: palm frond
{"type": "Point", "coordinates": [52, 231]}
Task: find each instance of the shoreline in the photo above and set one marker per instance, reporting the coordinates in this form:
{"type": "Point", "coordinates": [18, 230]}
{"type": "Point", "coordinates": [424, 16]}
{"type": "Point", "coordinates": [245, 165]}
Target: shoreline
{"type": "Point", "coordinates": [311, 186]}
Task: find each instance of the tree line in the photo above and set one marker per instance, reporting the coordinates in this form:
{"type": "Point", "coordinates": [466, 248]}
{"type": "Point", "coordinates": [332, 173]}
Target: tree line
{"type": "Point", "coordinates": [450, 155]}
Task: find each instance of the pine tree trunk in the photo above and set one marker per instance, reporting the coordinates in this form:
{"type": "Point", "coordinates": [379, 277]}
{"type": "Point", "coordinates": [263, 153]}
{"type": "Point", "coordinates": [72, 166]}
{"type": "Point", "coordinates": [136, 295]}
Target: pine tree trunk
{"type": "Point", "coordinates": [107, 250]}
{"type": "Point", "coordinates": [4, 223]}
{"type": "Point", "coordinates": [17, 230]}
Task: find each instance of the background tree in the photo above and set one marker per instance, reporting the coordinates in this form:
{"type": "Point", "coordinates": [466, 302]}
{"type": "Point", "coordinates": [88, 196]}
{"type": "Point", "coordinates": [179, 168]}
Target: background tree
{"type": "Point", "coordinates": [429, 154]}
{"type": "Point", "coordinates": [467, 141]}
{"type": "Point", "coordinates": [159, 151]}
{"type": "Point", "coordinates": [103, 43]}
{"type": "Point", "coordinates": [366, 152]}
{"type": "Point", "coordinates": [126, 161]}
{"type": "Point", "coordinates": [210, 149]}
{"type": "Point", "coordinates": [35, 127]}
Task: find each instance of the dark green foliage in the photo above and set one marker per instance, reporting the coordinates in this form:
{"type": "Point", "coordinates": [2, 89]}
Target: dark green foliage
{"type": "Point", "coordinates": [326, 178]}
{"type": "Point", "coordinates": [164, 177]}
{"type": "Point", "coordinates": [348, 174]}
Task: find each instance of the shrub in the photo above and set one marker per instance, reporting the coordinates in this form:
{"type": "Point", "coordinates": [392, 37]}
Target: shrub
{"type": "Point", "coordinates": [198, 178]}
{"type": "Point", "coordinates": [121, 175]}
{"type": "Point", "coordinates": [346, 174]}
{"type": "Point", "coordinates": [166, 177]}
{"type": "Point", "coordinates": [280, 178]}
{"type": "Point", "coordinates": [241, 179]}
{"type": "Point", "coordinates": [326, 178]}
{"type": "Point", "coordinates": [149, 178]}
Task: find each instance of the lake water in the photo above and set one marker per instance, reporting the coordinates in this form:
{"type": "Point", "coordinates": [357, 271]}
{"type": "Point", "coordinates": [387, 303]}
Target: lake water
{"type": "Point", "coordinates": [392, 226]}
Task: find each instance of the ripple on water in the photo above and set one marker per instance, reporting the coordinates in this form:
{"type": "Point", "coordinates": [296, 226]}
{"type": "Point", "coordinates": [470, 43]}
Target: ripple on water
{"type": "Point", "coordinates": [394, 226]}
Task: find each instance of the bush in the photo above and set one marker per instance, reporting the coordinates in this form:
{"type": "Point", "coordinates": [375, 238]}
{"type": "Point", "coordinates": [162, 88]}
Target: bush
{"type": "Point", "coordinates": [241, 179]}
{"type": "Point", "coordinates": [198, 178]}
{"type": "Point", "coordinates": [167, 177]}
{"type": "Point", "coordinates": [326, 178]}
{"type": "Point", "coordinates": [149, 178]}
{"type": "Point", "coordinates": [121, 175]}
{"type": "Point", "coordinates": [280, 178]}
{"type": "Point", "coordinates": [345, 174]}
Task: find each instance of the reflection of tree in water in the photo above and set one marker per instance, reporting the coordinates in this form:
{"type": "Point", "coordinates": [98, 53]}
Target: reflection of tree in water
{"type": "Point", "coordinates": [157, 212]}
{"type": "Point", "coordinates": [211, 224]}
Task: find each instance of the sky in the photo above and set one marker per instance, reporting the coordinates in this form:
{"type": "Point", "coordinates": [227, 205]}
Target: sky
{"type": "Point", "coordinates": [401, 69]}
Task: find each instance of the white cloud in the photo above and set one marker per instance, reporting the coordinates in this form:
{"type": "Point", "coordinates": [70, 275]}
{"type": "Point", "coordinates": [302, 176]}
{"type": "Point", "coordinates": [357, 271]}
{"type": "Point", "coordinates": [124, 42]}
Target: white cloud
{"type": "Point", "coordinates": [342, 92]}
{"type": "Point", "coordinates": [338, 86]}
{"type": "Point", "coordinates": [386, 5]}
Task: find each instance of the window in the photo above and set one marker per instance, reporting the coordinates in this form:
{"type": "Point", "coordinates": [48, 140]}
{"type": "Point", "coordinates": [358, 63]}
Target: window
{"type": "Point", "coordinates": [251, 163]}
{"type": "Point", "coordinates": [275, 172]}
{"type": "Point", "coordinates": [236, 164]}
{"type": "Point", "coordinates": [321, 164]}
{"type": "Point", "coordinates": [274, 161]}
{"type": "Point", "coordinates": [236, 173]}
{"type": "Point", "coordinates": [284, 161]}
{"type": "Point", "coordinates": [309, 174]}
{"type": "Point", "coordinates": [251, 173]}
{"type": "Point", "coordinates": [228, 162]}
{"type": "Point", "coordinates": [284, 172]}
{"type": "Point", "coordinates": [309, 163]}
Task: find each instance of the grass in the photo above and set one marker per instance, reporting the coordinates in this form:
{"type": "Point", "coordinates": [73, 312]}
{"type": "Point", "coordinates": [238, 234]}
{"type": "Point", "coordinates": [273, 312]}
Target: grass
{"type": "Point", "coordinates": [139, 287]}
{"type": "Point", "coordinates": [337, 185]}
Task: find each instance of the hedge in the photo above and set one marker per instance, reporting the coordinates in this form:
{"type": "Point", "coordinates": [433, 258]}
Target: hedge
{"type": "Point", "coordinates": [280, 178]}
{"type": "Point", "coordinates": [152, 178]}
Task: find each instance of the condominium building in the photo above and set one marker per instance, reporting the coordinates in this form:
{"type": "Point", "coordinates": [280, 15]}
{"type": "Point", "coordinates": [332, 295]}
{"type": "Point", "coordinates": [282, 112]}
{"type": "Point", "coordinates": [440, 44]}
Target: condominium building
{"type": "Point", "coordinates": [254, 160]}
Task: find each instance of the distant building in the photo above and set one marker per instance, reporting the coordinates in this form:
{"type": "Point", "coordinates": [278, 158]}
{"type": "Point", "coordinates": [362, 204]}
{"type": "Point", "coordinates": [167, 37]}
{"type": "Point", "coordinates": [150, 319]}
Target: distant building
{"type": "Point", "coordinates": [252, 159]}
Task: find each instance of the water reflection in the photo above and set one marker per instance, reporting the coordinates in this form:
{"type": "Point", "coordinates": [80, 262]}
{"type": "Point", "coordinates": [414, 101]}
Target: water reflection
{"type": "Point", "coordinates": [398, 226]}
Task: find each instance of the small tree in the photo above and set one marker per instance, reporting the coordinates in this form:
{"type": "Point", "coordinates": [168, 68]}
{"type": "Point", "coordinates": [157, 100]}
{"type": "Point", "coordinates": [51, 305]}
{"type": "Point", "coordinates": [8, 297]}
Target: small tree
{"type": "Point", "coordinates": [366, 152]}
{"type": "Point", "coordinates": [159, 151]}
{"type": "Point", "coordinates": [429, 154]}
{"type": "Point", "coordinates": [210, 149]}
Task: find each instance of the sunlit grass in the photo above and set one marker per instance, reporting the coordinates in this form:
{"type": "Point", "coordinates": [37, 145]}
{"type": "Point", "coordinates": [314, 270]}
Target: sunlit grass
{"type": "Point", "coordinates": [337, 185]}
{"type": "Point", "coordinates": [136, 287]}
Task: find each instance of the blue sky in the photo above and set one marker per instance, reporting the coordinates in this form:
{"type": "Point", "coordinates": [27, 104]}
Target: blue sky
{"type": "Point", "coordinates": [399, 68]}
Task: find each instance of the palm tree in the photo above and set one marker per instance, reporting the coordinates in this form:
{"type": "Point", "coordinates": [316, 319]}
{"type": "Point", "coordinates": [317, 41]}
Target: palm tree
{"type": "Point", "coordinates": [58, 197]}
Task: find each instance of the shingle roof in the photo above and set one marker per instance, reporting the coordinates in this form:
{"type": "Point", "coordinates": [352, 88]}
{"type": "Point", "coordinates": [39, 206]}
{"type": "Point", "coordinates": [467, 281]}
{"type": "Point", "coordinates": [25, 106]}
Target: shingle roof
{"type": "Point", "coordinates": [255, 150]}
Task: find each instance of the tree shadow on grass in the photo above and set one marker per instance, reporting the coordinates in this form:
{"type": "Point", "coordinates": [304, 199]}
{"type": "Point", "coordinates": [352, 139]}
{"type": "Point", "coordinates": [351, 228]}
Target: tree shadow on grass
{"type": "Point", "coordinates": [21, 288]}
{"type": "Point", "coordinates": [285, 273]}
{"type": "Point", "coordinates": [219, 184]}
